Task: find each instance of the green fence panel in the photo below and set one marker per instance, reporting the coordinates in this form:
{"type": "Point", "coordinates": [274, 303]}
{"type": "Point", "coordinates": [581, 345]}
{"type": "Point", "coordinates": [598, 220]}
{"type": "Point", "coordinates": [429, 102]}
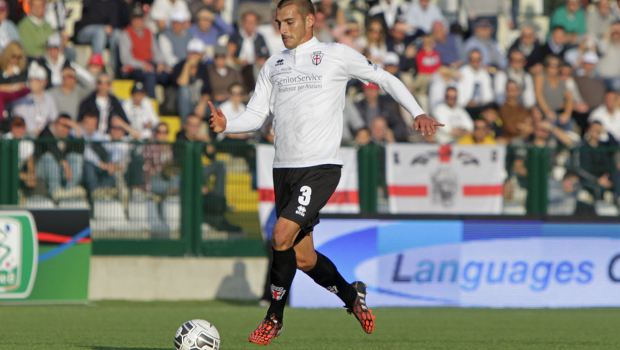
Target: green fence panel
{"type": "Point", "coordinates": [368, 165]}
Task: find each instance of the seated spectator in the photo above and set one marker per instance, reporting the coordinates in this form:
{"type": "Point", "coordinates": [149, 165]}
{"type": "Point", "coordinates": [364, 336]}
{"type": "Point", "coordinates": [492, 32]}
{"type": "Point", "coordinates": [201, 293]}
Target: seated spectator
{"type": "Point", "coordinates": [98, 168]}
{"type": "Point", "coordinates": [59, 163]}
{"type": "Point", "coordinates": [56, 14]}
{"type": "Point", "coordinates": [8, 30]}
{"type": "Point", "coordinates": [449, 46]}
{"type": "Point", "coordinates": [458, 123]}
{"type": "Point", "coordinates": [608, 114]}
{"type": "Point", "coordinates": [209, 28]}
{"type": "Point", "coordinates": [13, 65]}
{"type": "Point", "coordinates": [571, 17]}
{"type": "Point", "coordinates": [140, 112]}
{"type": "Point", "coordinates": [103, 103]}
{"type": "Point", "coordinates": [516, 73]}
{"type": "Point", "coordinates": [38, 107]}
{"type": "Point", "coordinates": [54, 61]}
{"type": "Point", "coordinates": [126, 163]}
{"type": "Point", "coordinates": [348, 34]}
{"type": "Point", "coordinates": [428, 62]}
{"type": "Point", "coordinates": [100, 26]}
{"type": "Point", "coordinates": [25, 162]}
{"type": "Point", "coordinates": [599, 19]}
{"type": "Point", "coordinates": [529, 45]}
{"type": "Point", "coordinates": [320, 30]}
{"type": "Point", "coordinates": [273, 38]}
{"type": "Point", "coordinates": [375, 105]}
{"type": "Point", "coordinates": [596, 165]}
{"type": "Point", "coordinates": [488, 10]}
{"type": "Point", "coordinates": [445, 77]}
{"type": "Point", "coordinates": [579, 106]}
{"type": "Point", "coordinates": [173, 40]}
{"type": "Point", "coordinates": [480, 136]}
{"type": "Point", "coordinates": [375, 44]}
{"type": "Point", "coordinates": [192, 77]}
{"type": "Point", "coordinates": [608, 67]}
{"type": "Point", "coordinates": [490, 113]}
{"type": "Point", "coordinates": [34, 31]}
{"type": "Point", "coordinates": [557, 43]}
{"type": "Point", "coordinates": [475, 86]}
{"type": "Point", "coordinates": [380, 133]}
{"type": "Point", "coordinates": [591, 87]}
{"type": "Point", "coordinates": [333, 14]}
{"type": "Point", "coordinates": [232, 107]}
{"type": "Point", "coordinates": [215, 6]}
{"type": "Point", "coordinates": [386, 12]}
{"type": "Point", "coordinates": [400, 42]}
{"type": "Point", "coordinates": [70, 93]}
{"type": "Point", "coordinates": [95, 65]}
{"type": "Point", "coordinates": [562, 195]}
{"type": "Point", "coordinates": [245, 45]}
{"type": "Point", "coordinates": [551, 92]}
{"type": "Point", "coordinates": [482, 41]}
{"type": "Point", "coordinates": [421, 16]}
{"type": "Point", "coordinates": [513, 114]}
{"type": "Point", "coordinates": [547, 135]}
{"type": "Point", "coordinates": [220, 74]}
{"type": "Point", "coordinates": [140, 56]}
{"type": "Point", "coordinates": [161, 171]}
{"type": "Point", "coordinates": [161, 12]}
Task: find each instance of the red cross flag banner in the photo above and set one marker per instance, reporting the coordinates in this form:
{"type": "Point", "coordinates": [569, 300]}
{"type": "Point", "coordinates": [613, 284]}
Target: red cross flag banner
{"type": "Point", "coordinates": [448, 179]}
{"type": "Point", "coordinates": [344, 200]}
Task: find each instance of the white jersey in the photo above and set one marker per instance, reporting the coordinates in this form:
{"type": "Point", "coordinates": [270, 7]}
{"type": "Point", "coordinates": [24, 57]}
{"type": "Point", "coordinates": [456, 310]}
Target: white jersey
{"type": "Point", "coordinates": [305, 88]}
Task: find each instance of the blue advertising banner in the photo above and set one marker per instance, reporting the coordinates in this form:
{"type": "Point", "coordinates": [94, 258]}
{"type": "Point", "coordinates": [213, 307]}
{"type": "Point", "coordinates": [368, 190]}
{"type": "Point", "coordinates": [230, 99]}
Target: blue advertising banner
{"type": "Point", "coordinates": [470, 263]}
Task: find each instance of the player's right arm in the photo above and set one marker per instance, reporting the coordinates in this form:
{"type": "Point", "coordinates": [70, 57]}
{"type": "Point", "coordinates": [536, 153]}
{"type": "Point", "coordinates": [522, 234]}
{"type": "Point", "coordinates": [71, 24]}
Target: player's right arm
{"type": "Point", "coordinates": [255, 112]}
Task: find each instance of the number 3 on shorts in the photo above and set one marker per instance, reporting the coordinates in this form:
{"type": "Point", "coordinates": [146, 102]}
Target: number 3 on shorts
{"type": "Point", "coordinates": [306, 192]}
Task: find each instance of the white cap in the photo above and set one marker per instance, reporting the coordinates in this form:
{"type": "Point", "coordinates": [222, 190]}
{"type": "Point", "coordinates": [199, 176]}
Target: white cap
{"type": "Point", "coordinates": [590, 57]}
{"type": "Point", "coordinates": [196, 46]}
{"type": "Point", "coordinates": [54, 40]}
{"type": "Point", "coordinates": [391, 59]}
{"type": "Point", "coordinates": [35, 71]}
{"type": "Point", "coordinates": [179, 14]}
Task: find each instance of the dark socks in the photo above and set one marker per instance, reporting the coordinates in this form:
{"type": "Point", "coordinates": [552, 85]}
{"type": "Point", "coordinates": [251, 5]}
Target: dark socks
{"type": "Point", "coordinates": [325, 274]}
{"type": "Point", "coordinates": [282, 271]}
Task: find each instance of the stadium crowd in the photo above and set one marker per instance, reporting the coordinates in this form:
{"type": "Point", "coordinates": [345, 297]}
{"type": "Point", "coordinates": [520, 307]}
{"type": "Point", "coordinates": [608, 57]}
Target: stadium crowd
{"type": "Point", "coordinates": [552, 86]}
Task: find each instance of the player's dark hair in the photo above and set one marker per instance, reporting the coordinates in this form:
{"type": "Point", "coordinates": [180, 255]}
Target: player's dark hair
{"type": "Point", "coordinates": [304, 7]}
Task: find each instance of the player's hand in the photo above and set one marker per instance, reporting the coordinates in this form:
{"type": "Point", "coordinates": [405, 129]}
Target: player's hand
{"type": "Point", "coordinates": [218, 120]}
{"type": "Point", "coordinates": [426, 125]}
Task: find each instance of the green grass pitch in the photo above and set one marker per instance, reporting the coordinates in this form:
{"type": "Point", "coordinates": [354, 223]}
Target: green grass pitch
{"type": "Point", "coordinates": [134, 325]}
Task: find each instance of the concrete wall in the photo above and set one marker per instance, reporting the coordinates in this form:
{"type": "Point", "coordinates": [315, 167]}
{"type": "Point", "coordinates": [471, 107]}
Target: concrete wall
{"type": "Point", "coordinates": [146, 278]}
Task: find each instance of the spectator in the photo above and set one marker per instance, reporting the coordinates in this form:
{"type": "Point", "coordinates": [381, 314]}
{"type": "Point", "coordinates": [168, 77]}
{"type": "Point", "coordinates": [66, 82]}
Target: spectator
{"type": "Point", "coordinates": [25, 162]}
{"type": "Point", "coordinates": [56, 14]}
{"type": "Point", "coordinates": [490, 113]}
{"type": "Point", "coordinates": [140, 112]}
{"type": "Point", "coordinates": [232, 107]}
{"type": "Point", "coordinates": [13, 65]}
{"type": "Point", "coordinates": [562, 195]}
{"type": "Point", "coordinates": [475, 86]}
{"type": "Point", "coordinates": [126, 163]}
{"type": "Point", "coordinates": [480, 136]}
{"type": "Point", "coordinates": [515, 72]}
{"type": "Point", "coordinates": [529, 45]}
{"type": "Point", "coordinates": [599, 19]}
{"type": "Point", "coordinates": [353, 122]}
{"type": "Point", "coordinates": [566, 74]}
{"type": "Point", "coordinates": [348, 34]}
{"type": "Point", "coordinates": [399, 42]}
{"type": "Point", "coordinates": [487, 9]}
{"type": "Point", "coordinates": [59, 163]}
{"type": "Point", "coordinates": [591, 87]}
{"type": "Point", "coordinates": [8, 30]}
{"type": "Point", "coordinates": [320, 29]}
{"type": "Point", "coordinates": [161, 172]}
{"type": "Point", "coordinates": [98, 168]}
{"type": "Point", "coordinates": [95, 65]}
{"type": "Point", "coordinates": [333, 14]}
{"type": "Point", "coordinates": [608, 67]}
{"type": "Point", "coordinates": [173, 41]}
{"type": "Point", "coordinates": [547, 135]}
{"type": "Point", "coordinates": [380, 133]}
{"type": "Point", "coordinates": [140, 55]}
{"type": "Point", "coordinates": [513, 114]}
{"type": "Point", "coordinates": [557, 43]}
{"type": "Point", "coordinates": [386, 12]}
{"type": "Point", "coordinates": [221, 75]}
{"type": "Point", "coordinates": [214, 6]}
{"type": "Point", "coordinates": [449, 46]}
{"type": "Point", "coordinates": [492, 53]}
{"type": "Point", "coordinates": [428, 62]}
{"type": "Point", "coordinates": [422, 15]}
{"type": "Point", "coordinates": [38, 107]}
{"type": "Point", "coordinates": [192, 78]}
{"type": "Point", "coordinates": [572, 18]}
{"type": "Point", "coordinates": [70, 93]}
{"type": "Point", "coordinates": [551, 92]}
{"type": "Point", "coordinates": [245, 45]}
{"type": "Point", "coordinates": [445, 77]}
{"type": "Point", "coordinates": [54, 61]}
{"type": "Point", "coordinates": [376, 47]}
{"type": "Point", "coordinates": [34, 31]}
{"type": "Point", "coordinates": [458, 123]}
{"type": "Point", "coordinates": [103, 103]}
{"type": "Point", "coordinates": [608, 114]}
{"type": "Point", "coordinates": [273, 38]}
{"type": "Point", "coordinates": [375, 105]}
{"type": "Point", "coordinates": [162, 10]}
{"type": "Point", "coordinates": [209, 28]}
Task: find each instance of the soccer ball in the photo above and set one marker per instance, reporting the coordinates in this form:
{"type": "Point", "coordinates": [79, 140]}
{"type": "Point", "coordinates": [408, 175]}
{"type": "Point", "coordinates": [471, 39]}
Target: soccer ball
{"type": "Point", "coordinates": [197, 335]}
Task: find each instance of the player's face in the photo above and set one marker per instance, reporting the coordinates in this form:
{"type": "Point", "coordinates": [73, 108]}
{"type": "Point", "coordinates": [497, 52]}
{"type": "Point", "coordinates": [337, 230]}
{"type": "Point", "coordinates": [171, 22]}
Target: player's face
{"type": "Point", "coordinates": [294, 29]}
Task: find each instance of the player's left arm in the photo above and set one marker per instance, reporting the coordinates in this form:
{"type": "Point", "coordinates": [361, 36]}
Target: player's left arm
{"type": "Point", "coordinates": [361, 68]}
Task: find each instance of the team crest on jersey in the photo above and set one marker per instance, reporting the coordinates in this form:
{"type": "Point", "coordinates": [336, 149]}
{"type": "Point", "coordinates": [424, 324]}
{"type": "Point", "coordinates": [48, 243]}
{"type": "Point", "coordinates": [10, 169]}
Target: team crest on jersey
{"type": "Point", "coordinates": [317, 56]}
{"type": "Point", "coordinates": [277, 293]}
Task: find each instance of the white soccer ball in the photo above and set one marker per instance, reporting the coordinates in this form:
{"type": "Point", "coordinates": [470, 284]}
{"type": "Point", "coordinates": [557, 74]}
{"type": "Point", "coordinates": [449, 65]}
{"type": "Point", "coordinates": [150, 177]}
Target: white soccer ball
{"type": "Point", "coordinates": [197, 335]}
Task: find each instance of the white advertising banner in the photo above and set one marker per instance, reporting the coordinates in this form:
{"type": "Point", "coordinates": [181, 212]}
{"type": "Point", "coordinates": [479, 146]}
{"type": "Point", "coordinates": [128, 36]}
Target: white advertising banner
{"type": "Point", "coordinates": [449, 179]}
{"type": "Point", "coordinates": [344, 200]}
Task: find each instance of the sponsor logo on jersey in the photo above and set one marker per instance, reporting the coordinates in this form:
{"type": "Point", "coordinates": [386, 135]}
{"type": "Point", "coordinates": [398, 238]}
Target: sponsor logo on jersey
{"type": "Point", "coordinates": [301, 211]}
{"type": "Point", "coordinates": [277, 293]}
{"type": "Point", "coordinates": [317, 56]}
{"type": "Point", "coordinates": [279, 62]}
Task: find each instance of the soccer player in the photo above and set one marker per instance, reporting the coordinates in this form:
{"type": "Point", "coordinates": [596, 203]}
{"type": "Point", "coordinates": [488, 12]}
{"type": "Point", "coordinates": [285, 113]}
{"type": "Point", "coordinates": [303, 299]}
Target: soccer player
{"type": "Point", "coordinates": [304, 86]}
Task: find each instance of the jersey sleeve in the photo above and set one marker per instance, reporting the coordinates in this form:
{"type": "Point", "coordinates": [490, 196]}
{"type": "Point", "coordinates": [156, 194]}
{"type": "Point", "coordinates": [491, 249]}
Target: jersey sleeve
{"type": "Point", "coordinates": [256, 110]}
{"type": "Point", "coordinates": [359, 67]}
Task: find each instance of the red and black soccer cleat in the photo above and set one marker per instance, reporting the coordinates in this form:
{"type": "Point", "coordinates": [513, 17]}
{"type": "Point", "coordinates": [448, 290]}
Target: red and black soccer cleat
{"type": "Point", "coordinates": [267, 331]}
{"type": "Point", "coordinates": [360, 310]}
